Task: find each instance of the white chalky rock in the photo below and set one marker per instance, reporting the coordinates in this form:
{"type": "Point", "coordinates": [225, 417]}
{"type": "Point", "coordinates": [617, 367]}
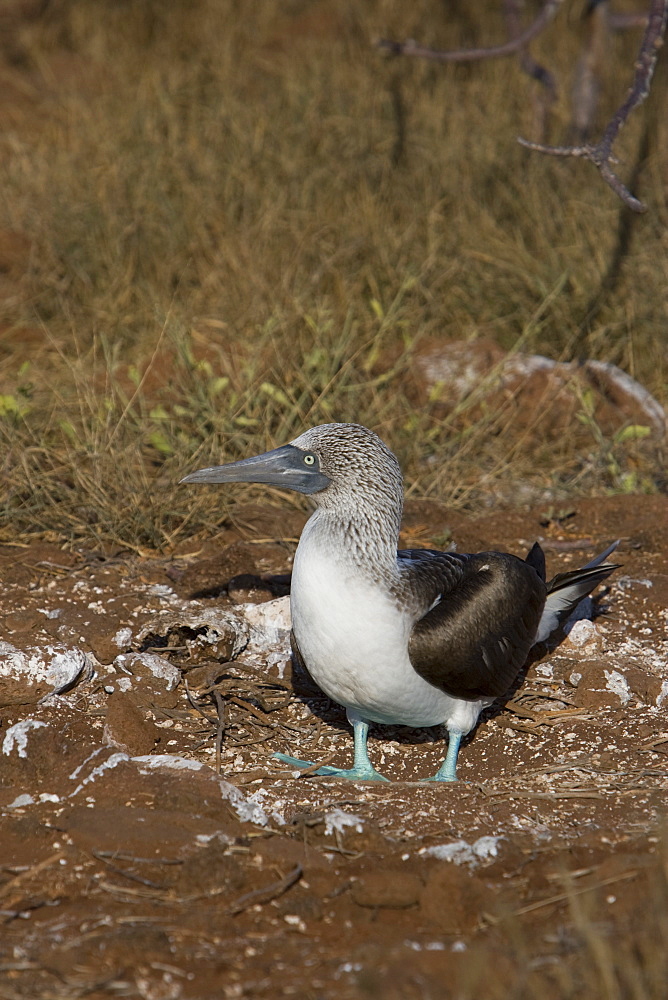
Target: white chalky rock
{"type": "Point", "coordinates": [584, 637]}
{"type": "Point", "coordinates": [159, 667]}
{"type": "Point", "coordinates": [260, 631]}
{"type": "Point", "coordinates": [212, 626]}
{"type": "Point", "coordinates": [270, 624]}
{"type": "Point", "coordinates": [39, 671]}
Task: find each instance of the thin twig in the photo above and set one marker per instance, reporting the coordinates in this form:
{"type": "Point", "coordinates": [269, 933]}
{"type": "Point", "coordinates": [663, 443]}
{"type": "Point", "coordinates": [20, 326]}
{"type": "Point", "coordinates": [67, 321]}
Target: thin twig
{"type": "Point", "coordinates": [410, 48]}
{"type": "Point", "coordinates": [548, 717]}
{"type": "Point", "coordinates": [272, 891]}
{"type": "Point", "coordinates": [521, 793]}
{"type": "Point", "coordinates": [15, 883]}
{"type": "Point", "coordinates": [123, 856]}
{"type": "Point", "coordinates": [164, 649]}
{"type": "Point", "coordinates": [261, 717]}
{"type": "Point", "coordinates": [528, 64]}
{"type": "Point", "coordinates": [305, 772]}
{"type": "Point", "coordinates": [580, 763]}
{"type": "Point", "coordinates": [562, 897]}
{"type": "Point", "coordinates": [519, 727]}
{"type": "Point", "coordinates": [220, 728]}
{"type": "Point", "coordinates": [250, 743]}
{"type": "Point", "coordinates": [197, 708]}
{"type": "Point", "coordinates": [314, 740]}
{"type": "Point", "coordinates": [131, 875]}
{"type": "Point", "coordinates": [252, 710]}
{"type": "Point", "coordinates": [126, 890]}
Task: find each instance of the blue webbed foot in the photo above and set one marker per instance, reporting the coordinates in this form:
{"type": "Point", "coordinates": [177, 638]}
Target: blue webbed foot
{"type": "Point", "coordinates": [448, 769]}
{"type": "Point", "coordinates": [362, 773]}
{"type": "Point", "coordinates": [362, 769]}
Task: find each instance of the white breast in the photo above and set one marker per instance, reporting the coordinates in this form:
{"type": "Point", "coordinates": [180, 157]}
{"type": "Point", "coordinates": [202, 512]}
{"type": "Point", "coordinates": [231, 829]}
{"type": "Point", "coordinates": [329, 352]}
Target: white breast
{"type": "Point", "coordinates": [354, 642]}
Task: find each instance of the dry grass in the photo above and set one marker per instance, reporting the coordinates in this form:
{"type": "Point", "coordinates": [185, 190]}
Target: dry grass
{"type": "Point", "coordinates": [603, 938]}
{"type": "Point", "coordinates": [241, 219]}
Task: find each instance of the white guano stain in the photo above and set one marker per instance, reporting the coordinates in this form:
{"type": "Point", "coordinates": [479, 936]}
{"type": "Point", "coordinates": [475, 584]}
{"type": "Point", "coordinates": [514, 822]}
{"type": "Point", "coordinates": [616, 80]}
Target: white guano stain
{"type": "Point", "coordinates": [461, 852]}
{"type": "Point", "coordinates": [58, 666]}
{"type": "Point", "coordinates": [16, 737]}
{"type": "Point", "coordinates": [618, 684]}
{"type": "Point", "coordinates": [337, 820]}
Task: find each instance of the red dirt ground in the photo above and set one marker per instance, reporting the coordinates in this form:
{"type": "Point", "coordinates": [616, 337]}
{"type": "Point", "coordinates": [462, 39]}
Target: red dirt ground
{"type": "Point", "coordinates": [129, 867]}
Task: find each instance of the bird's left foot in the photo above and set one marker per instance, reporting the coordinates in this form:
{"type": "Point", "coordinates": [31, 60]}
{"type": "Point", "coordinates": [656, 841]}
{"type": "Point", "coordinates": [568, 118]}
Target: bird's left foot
{"type": "Point", "coordinates": [326, 770]}
{"type": "Point", "coordinates": [448, 769]}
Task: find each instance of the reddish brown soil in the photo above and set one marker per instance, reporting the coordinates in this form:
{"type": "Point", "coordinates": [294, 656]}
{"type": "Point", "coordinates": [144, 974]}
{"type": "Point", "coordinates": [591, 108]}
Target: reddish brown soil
{"type": "Point", "coordinates": [119, 878]}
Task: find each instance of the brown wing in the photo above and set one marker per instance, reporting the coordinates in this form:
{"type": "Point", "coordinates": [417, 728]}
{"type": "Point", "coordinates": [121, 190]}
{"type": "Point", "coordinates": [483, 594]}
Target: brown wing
{"type": "Point", "coordinates": [476, 639]}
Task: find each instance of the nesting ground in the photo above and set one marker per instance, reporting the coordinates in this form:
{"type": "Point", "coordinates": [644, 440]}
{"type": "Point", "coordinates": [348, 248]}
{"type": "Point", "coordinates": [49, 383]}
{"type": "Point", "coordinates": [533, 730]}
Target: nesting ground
{"type": "Point", "coordinates": [128, 867]}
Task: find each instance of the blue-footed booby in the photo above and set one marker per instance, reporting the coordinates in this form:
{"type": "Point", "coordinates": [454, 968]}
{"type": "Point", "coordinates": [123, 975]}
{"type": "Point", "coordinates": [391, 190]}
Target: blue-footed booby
{"type": "Point", "coordinates": [414, 637]}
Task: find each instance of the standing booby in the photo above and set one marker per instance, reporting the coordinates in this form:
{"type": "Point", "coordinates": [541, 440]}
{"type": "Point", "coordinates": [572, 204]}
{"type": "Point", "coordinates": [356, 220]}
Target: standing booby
{"type": "Point", "coordinates": [416, 637]}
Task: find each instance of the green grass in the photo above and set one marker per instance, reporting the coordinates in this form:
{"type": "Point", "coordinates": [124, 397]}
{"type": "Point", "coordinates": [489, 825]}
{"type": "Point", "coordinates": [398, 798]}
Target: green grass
{"type": "Point", "coordinates": [218, 195]}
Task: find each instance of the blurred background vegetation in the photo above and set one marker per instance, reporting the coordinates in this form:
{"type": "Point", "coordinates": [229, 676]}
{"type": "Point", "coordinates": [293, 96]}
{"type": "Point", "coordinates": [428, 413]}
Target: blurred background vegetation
{"type": "Point", "coordinates": [222, 221]}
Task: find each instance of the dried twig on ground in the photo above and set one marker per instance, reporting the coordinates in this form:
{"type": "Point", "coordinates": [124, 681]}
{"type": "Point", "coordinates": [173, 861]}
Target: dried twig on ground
{"type": "Point", "coordinates": [220, 728]}
{"type": "Point", "coordinates": [8, 888]}
{"type": "Point", "coordinates": [564, 897]}
{"type": "Point", "coordinates": [266, 895]}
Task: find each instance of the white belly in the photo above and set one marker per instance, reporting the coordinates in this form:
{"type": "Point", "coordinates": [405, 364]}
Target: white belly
{"type": "Point", "coordinates": [355, 645]}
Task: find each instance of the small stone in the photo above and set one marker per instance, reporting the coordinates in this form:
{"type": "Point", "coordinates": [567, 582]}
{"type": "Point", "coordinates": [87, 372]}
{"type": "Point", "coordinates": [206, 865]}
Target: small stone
{"type": "Point", "coordinates": [154, 679]}
{"type": "Point", "coordinates": [126, 728]}
{"type": "Point", "coordinates": [104, 649]}
{"type": "Point", "coordinates": [584, 637]}
{"type": "Point", "coordinates": [387, 889]}
{"type": "Point", "coordinates": [644, 686]}
{"type": "Point", "coordinates": [454, 900]}
{"type": "Point", "coordinates": [601, 687]}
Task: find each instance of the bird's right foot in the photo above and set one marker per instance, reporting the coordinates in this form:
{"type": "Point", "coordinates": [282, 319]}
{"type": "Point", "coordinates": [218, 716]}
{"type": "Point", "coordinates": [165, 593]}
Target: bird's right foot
{"type": "Point", "coordinates": [326, 770]}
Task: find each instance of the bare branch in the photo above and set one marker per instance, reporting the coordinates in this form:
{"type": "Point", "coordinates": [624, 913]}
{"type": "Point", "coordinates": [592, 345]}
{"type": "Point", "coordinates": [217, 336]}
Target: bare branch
{"type": "Point", "coordinates": [600, 154]}
{"type": "Point", "coordinates": [411, 48]}
{"type": "Point", "coordinates": [644, 68]}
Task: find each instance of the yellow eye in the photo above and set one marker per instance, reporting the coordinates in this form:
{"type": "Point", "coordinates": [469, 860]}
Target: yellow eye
{"type": "Point", "coordinates": [309, 459]}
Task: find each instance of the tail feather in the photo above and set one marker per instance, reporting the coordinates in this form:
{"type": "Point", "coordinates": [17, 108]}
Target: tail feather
{"type": "Point", "coordinates": [597, 560]}
{"type": "Point", "coordinates": [566, 590]}
{"type": "Point", "coordinates": [536, 558]}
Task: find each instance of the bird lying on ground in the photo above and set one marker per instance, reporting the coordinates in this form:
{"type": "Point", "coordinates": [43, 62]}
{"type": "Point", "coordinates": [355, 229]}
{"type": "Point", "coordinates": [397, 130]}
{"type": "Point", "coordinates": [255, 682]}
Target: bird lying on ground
{"type": "Point", "coordinates": [415, 637]}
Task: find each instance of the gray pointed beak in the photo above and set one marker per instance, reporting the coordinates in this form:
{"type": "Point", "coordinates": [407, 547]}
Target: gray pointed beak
{"type": "Point", "coordinates": [283, 467]}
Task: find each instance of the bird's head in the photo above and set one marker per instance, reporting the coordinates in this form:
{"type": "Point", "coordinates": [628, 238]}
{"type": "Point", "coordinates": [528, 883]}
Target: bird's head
{"type": "Point", "coordinates": [333, 463]}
